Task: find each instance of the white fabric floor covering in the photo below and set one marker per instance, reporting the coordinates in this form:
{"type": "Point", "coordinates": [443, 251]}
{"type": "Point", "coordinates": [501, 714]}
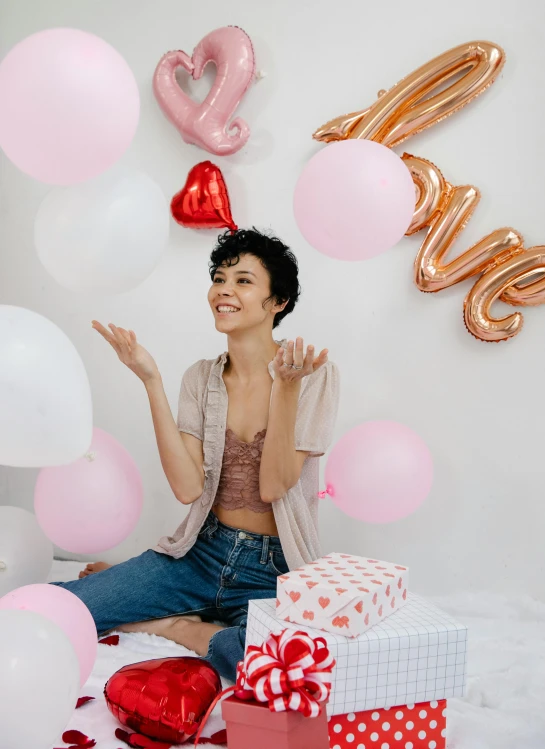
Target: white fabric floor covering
{"type": "Point", "coordinates": [504, 706]}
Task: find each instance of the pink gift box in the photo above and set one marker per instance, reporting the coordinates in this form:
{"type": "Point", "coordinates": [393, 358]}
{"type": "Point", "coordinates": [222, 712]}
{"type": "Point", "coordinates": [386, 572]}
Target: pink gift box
{"type": "Point", "coordinates": [251, 725]}
{"type": "Point", "coordinates": [342, 594]}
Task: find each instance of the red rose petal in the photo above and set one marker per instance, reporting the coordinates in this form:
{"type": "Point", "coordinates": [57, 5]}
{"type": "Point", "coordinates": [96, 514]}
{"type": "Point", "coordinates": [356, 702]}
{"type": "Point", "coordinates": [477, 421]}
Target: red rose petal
{"type": "Point", "coordinates": [220, 737]}
{"type": "Point", "coordinates": [139, 741]}
{"type": "Point", "coordinates": [83, 701]}
{"type": "Point", "coordinates": [75, 737]}
{"type": "Point", "coordinates": [111, 640]}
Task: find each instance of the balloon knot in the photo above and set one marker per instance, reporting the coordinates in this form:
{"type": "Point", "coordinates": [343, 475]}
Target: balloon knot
{"type": "Point", "coordinates": [90, 456]}
{"type": "Point", "coordinates": [3, 565]}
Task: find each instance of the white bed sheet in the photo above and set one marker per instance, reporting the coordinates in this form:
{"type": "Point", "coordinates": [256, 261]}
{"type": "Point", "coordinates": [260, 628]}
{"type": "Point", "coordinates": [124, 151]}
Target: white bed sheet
{"type": "Point", "coordinates": [503, 707]}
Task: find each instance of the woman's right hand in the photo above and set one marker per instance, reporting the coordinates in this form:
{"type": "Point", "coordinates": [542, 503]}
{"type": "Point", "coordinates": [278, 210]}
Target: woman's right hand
{"type": "Point", "coordinates": [129, 351]}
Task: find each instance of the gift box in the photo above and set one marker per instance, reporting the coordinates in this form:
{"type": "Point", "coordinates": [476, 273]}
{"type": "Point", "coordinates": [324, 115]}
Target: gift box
{"type": "Point", "coordinates": [416, 655]}
{"type": "Point", "coordinates": [252, 725]}
{"type": "Point", "coordinates": [422, 726]}
{"type": "Point", "coordinates": [341, 593]}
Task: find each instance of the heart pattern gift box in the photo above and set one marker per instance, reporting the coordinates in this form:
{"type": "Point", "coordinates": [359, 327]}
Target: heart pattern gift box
{"type": "Point", "coordinates": [341, 593]}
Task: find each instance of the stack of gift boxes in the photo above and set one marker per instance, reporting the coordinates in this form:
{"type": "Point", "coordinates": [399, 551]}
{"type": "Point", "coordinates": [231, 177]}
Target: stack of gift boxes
{"type": "Point", "coordinates": [398, 657]}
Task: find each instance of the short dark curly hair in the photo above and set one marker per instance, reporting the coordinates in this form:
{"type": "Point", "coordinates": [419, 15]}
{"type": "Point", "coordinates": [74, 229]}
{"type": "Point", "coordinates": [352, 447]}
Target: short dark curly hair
{"type": "Point", "coordinates": [276, 257]}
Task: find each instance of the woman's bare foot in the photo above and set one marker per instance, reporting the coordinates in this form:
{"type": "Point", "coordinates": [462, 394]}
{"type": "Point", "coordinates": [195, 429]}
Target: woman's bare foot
{"type": "Point", "coordinates": [93, 567]}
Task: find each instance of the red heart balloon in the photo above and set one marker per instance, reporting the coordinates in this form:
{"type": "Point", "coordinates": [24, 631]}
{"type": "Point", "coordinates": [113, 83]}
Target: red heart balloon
{"type": "Point", "coordinates": [165, 698]}
{"type": "Point", "coordinates": [203, 202]}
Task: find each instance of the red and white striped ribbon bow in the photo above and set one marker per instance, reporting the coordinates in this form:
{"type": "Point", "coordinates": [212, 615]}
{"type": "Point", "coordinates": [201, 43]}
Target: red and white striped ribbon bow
{"type": "Point", "coordinates": [290, 671]}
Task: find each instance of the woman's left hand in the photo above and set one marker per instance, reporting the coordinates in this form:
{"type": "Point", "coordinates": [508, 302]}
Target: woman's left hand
{"type": "Point", "coordinates": [291, 364]}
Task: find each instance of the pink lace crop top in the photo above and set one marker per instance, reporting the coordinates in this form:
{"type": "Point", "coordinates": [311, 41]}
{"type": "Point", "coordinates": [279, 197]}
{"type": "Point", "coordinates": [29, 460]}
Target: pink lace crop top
{"type": "Point", "coordinates": [239, 480]}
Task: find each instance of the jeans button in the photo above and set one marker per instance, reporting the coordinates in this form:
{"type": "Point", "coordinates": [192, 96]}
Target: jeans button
{"type": "Point", "coordinates": [242, 536]}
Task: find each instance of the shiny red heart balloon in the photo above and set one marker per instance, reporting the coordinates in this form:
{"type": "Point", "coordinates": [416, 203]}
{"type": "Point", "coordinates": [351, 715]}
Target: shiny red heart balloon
{"type": "Point", "coordinates": [165, 698]}
{"type": "Point", "coordinates": [203, 202]}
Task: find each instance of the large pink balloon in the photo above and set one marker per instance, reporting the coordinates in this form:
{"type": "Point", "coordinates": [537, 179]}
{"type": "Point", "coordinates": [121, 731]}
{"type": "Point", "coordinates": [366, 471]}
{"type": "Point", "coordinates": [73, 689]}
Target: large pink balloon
{"type": "Point", "coordinates": [379, 472]}
{"type": "Point", "coordinates": [70, 106]}
{"type": "Point", "coordinates": [354, 200]}
{"type": "Point", "coordinates": [67, 611]}
{"type": "Point", "coordinates": [93, 504]}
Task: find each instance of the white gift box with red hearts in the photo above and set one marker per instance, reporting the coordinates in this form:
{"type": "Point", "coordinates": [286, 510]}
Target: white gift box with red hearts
{"type": "Point", "coordinates": [341, 593]}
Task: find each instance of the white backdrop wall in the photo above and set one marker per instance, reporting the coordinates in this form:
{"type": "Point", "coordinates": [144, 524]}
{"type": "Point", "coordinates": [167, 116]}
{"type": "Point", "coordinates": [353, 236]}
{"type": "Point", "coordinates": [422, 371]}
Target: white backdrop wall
{"type": "Point", "coordinates": [403, 355]}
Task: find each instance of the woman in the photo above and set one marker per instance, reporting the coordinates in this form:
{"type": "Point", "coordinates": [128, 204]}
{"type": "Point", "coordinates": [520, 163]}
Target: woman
{"type": "Point", "coordinates": [243, 455]}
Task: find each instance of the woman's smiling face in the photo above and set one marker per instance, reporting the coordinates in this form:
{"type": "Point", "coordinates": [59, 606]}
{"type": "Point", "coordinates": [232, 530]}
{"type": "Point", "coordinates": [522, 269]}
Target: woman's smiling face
{"type": "Point", "coordinates": [239, 293]}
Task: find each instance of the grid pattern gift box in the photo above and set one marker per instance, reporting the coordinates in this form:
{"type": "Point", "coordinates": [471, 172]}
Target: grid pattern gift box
{"type": "Point", "coordinates": [416, 655]}
{"type": "Point", "coordinates": [342, 593]}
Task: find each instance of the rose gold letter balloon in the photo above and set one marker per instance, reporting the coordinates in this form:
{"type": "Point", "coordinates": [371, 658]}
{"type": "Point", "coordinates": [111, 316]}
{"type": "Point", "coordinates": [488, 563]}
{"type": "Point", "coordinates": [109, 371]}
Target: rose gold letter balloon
{"type": "Point", "coordinates": [411, 105]}
{"type": "Point", "coordinates": [491, 286]}
{"type": "Point", "coordinates": [206, 124]}
{"type": "Point", "coordinates": [509, 271]}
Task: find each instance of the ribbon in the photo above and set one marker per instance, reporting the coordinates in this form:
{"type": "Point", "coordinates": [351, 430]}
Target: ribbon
{"type": "Point", "coordinates": [329, 490]}
{"type": "Point", "coordinates": [290, 671]}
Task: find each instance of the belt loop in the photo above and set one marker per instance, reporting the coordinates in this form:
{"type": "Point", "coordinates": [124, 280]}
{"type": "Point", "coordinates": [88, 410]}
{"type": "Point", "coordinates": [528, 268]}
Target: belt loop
{"type": "Point", "coordinates": [265, 550]}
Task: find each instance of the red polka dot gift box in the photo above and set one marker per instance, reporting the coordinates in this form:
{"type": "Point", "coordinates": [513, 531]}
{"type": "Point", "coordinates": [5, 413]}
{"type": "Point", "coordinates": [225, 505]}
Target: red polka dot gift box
{"type": "Point", "coordinates": [422, 726]}
{"type": "Point", "coordinates": [341, 593]}
{"type": "Point", "coordinates": [419, 654]}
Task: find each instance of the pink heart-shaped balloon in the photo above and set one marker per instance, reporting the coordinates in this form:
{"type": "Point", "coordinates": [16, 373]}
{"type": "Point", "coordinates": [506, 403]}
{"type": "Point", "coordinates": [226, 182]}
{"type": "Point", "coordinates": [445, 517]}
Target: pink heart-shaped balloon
{"type": "Point", "coordinates": [206, 124]}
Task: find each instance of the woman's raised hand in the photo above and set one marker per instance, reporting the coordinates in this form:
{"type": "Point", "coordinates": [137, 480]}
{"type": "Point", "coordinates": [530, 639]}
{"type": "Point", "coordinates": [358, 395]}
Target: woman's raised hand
{"type": "Point", "coordinates": [129, 351]}
{"type": "Point", "coordinates": [292, 364]}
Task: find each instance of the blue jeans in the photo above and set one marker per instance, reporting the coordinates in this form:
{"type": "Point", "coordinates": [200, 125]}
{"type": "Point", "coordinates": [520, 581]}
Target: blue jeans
{"type": "Point", "coordinates": [226, 568]}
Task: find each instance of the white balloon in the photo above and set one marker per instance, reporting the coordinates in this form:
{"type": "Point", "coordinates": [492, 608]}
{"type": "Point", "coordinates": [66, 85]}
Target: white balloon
{"type": "Point", "coordinates": [39, 680]}
{"type": "Point", "coordinates": [26, 554]}
{"type": "Point", "coordinates": [45, 400]}
{"type": "Point", "coordinates": [106, 235]}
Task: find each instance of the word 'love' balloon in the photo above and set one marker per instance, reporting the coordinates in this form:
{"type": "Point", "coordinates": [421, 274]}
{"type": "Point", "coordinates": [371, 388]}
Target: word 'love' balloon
{"type": "Point", "coordinates": [508, 271]}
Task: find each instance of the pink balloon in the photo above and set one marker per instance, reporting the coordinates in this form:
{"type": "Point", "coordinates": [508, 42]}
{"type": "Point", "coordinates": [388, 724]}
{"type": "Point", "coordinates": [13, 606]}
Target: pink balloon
{"type": "Point", "coordinates": [206, 124]}
{"type": "Point", "coordinates": [379, 472]}
{"type": "Point", "coordinates": [70, 106]}
{"type": "Point", "coordinates": [64, 609]}
{"type": "Point", "coordinates": [354, 200]}
{"type": "Point", "coordinates": [93, 504]}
